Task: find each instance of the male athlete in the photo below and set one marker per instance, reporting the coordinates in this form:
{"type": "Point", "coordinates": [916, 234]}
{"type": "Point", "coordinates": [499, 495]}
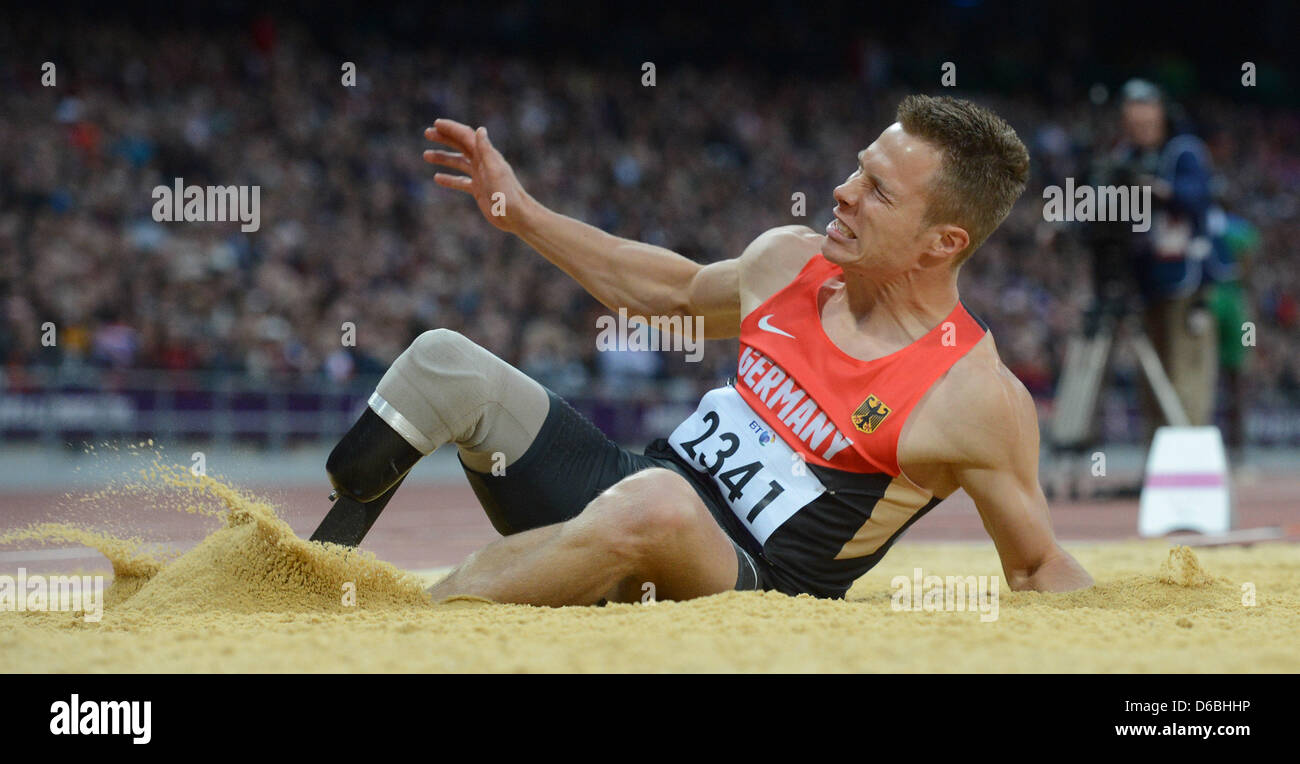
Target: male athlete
{"type": "Point", "coordinates": [865, 393]}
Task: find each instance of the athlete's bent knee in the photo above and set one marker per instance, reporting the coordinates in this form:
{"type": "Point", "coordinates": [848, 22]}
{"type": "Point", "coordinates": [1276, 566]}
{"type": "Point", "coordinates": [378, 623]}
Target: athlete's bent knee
{"type": "Point", "coordinates": [463, 371]}
{"type": "Point", "coordinates": [641, 513]}
{"type": "Point", "coordinates": [437, 343]}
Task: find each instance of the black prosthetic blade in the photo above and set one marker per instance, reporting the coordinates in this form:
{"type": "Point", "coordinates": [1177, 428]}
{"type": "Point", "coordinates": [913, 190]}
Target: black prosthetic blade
{"type": "Point", "coordinates": [349, 520]}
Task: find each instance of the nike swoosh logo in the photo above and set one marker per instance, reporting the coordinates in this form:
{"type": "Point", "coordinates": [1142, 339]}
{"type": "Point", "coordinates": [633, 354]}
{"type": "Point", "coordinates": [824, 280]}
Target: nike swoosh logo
{"type": "Point", "coordinates": [765, 325]}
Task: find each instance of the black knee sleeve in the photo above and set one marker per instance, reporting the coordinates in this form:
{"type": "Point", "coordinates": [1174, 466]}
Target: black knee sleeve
{"type": "Point", "coordinates": [370, 459]}
{"type": "Point", "coordinates": [552, 481]}
{"type": "Point", "coordinates": [500, 499]}
{"type": "Point", "coordinates": [566, 466]}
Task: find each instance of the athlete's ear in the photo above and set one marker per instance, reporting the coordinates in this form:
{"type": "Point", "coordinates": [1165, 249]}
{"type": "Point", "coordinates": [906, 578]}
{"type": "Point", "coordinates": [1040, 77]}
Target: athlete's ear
{"type": "Point", "coordinates": [946, 242]}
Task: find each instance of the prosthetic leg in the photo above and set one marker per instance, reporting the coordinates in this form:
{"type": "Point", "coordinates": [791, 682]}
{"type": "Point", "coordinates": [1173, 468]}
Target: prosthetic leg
{"type": "Point", "coordinates": [442, 389]}
{"type": "Point", "coordinates": [366, 468]}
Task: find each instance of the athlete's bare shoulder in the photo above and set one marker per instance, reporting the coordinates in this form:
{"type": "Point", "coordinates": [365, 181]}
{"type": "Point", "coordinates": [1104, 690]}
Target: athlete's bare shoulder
{"type": "Point", "coordinates": [772, 260]}
{"type": "Point", "coordinates": [978, 414]}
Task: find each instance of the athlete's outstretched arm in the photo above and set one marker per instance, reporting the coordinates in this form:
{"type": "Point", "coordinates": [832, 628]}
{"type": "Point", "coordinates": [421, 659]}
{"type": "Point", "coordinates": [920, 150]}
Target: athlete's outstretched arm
{"type": "Point", "coordinates": [1001, 475]}
{"type": "Point", "coordinates": [620, 273]}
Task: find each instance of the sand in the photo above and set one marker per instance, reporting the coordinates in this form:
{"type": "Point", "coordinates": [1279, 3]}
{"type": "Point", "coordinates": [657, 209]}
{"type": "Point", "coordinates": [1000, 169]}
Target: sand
{"type": "Point", "coordinates": [253, 597]}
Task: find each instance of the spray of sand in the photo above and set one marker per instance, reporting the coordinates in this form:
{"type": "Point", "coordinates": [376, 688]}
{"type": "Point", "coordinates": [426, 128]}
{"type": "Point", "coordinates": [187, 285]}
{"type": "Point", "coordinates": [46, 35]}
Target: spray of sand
{"type": "Point", "coordinates": [134, 561]}
{"type": "Point", "coordinates": [253, 563]}
{"type": "Point", "coordinates": [1182, 568]}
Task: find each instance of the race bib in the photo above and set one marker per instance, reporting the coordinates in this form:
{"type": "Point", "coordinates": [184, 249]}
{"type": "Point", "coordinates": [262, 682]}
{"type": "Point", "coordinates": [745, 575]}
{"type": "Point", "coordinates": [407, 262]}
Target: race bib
{"type": "Point", "coordinates": [761, 478]}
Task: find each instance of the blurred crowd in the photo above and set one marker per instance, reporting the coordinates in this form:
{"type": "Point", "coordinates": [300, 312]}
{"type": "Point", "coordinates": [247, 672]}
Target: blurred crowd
{"type": "Point", "coordinates": [353, 229]}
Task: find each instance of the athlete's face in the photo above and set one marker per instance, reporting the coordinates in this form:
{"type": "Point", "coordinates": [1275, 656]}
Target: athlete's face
{"type": "Point", "coordinates": [879, 208]}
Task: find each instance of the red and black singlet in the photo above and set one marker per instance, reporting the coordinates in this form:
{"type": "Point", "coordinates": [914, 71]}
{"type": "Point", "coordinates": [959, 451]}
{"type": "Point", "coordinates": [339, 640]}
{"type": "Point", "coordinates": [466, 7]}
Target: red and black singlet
{"type": "Point", "coordinates": [802, 447]}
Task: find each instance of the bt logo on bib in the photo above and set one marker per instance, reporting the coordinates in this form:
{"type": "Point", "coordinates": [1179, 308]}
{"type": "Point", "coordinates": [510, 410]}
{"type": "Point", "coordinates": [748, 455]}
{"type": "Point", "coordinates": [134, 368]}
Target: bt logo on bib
{"type": "Point", "coordinates": [764, 435]}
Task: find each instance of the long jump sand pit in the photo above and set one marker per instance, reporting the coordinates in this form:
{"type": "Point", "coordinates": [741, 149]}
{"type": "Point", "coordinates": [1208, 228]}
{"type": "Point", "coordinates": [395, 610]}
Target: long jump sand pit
{"type": "Point", "coordinates": [253, 597]}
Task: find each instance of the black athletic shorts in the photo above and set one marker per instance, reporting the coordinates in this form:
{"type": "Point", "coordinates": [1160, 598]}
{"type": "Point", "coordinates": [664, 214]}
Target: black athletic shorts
{"type": "Point", "coordinates": [569, 464]}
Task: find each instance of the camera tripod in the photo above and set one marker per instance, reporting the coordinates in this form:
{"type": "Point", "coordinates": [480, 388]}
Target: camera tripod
{"type": "Point", "coordinates": [1087, 360]}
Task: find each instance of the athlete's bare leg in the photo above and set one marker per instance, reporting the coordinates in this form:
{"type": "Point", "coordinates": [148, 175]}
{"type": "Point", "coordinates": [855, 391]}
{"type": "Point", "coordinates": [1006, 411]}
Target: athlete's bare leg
{"type": "Point", "coordinates": [650, 527]}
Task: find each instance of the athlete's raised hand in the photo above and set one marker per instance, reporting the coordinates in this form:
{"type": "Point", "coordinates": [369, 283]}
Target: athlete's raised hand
{"type": "Point", "coordinates": [488, 176]}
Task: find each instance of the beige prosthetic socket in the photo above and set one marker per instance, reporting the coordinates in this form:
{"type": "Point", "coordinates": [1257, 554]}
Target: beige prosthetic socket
{"type": "Point", "coordinates": [446, 389]}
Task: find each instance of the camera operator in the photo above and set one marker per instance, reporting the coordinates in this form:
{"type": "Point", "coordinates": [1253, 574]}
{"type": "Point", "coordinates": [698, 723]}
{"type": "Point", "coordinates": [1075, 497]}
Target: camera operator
{"type": "Point", "coordinates": [1162, 268]}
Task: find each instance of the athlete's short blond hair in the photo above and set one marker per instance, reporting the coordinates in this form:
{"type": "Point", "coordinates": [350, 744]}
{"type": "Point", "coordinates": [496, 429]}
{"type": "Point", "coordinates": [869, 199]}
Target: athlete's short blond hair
{"type": "Point", "coordinates": [984, 168]}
